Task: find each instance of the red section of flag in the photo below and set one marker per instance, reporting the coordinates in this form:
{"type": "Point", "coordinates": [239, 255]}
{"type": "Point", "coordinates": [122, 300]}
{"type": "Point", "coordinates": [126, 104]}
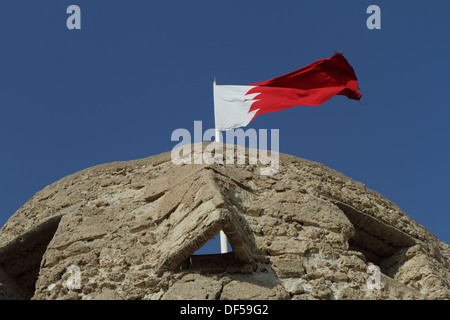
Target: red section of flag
{"type": "Point", "coordinates": [309, 86]}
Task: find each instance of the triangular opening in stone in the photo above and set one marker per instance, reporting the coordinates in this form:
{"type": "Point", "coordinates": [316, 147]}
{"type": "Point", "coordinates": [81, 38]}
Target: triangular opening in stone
{"type": "Point", "coordinates": [183, 251]}
{"type": "Point", "coordinates": [212, 246]}
{"type": "Point", "coordinates": [20, 260]}
{"type": "Point", "coordinates": [210, 259]}
{"type": "Point", "coordinates": [380, 243]}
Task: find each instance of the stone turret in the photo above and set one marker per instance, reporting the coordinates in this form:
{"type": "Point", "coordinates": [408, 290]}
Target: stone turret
{"type": "Point", "coordinates": [129, 230]}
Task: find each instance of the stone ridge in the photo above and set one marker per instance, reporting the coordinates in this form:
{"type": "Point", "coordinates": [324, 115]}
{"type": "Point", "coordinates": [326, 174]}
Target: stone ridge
{"type": "Point", "coordinates": [308, 232]}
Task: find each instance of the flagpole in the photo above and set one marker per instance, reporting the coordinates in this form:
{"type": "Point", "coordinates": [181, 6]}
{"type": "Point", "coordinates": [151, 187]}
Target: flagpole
{"type": "Point", "coordinates": [217, 131]}
{"type": "Point", "coordinates": [223, 236]}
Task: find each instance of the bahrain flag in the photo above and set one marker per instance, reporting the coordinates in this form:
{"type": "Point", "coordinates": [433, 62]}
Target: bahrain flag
{"type": "Point", "coordinates": [237, 106]}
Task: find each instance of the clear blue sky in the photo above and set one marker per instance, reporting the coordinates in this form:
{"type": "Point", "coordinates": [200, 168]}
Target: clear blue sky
{"type": "Point", "coordinates": [137, 70]}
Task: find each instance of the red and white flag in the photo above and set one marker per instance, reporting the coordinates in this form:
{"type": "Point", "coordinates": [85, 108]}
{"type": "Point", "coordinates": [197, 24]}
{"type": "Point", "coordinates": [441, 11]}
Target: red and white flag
{"type": "Point", "coordinates": [237, 106]}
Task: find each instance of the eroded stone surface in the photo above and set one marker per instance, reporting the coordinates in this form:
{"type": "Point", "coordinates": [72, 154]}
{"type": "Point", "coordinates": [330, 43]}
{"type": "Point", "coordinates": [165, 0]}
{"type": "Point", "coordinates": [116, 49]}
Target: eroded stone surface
{"type": "Point", "coordinates": [307, 232]}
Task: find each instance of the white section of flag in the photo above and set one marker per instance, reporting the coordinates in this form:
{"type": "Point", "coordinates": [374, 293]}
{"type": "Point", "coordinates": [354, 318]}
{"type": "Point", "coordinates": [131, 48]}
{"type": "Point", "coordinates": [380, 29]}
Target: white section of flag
{"type": "Point", "coordinates": [232, 105]}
